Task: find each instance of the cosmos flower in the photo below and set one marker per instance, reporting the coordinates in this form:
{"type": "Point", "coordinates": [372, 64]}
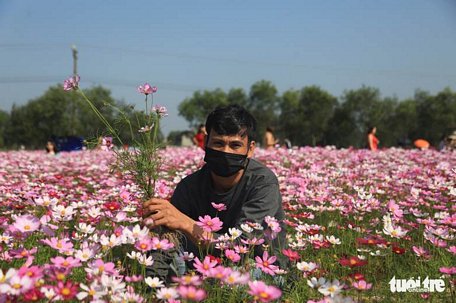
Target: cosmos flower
{"type": "Point", "coordinates": [71, 83]}
{"type": "Point", "coordinates": [26, 223]}
{"type": "Point", "coordinates": [209, 224]}
{"type": "Point", "coordinates": [263, 292]}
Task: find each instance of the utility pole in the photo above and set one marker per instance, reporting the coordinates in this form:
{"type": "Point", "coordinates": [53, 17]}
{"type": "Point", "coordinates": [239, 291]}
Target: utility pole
{"type": "Point", "coordinates": [75, 60]}
{"type": "Point", "coordinates": [73, 103]}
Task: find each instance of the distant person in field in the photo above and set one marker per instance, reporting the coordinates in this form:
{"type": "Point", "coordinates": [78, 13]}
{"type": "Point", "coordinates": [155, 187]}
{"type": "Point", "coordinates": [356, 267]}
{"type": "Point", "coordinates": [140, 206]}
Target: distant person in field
{"type": "Point", "coordinates": [269, 139]}
{"type": "Point", "coordinates": [50, 148]}
{"type": "Point", "coordinates": [200, 137]}
{"type": "Point", "coordinates": [372, 140]}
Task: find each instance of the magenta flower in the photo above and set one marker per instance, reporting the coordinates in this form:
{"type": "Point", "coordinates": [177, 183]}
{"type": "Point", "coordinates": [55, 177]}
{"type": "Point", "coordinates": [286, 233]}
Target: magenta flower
{"type": "Point", "coordinates": [66, 291]}
{"type": "Point", "coordinates": [262, 292]}
{"type": "Point", "coordinates": [146, 89]}
{"type": "Point", "coordinates": [219, 206]}
{"type": "Point", "coordinates": [266, 264]}
{"type": "Point", "coordinates": [26, 223]}
{"type": "Point", "coordinates": [448, 270]}
{"type": "Point", "coordinates": [71, 83]}
{"type": "Point", "coordinates": [191, 293]}
{"type": "Point", "coordinates": [209, 224]}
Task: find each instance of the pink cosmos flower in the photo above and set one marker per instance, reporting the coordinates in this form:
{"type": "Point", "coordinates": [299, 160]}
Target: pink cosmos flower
{"type": "Point", "coordinates": [22, 252]}
{"type": "Point", "coordinates": [209, 224]}
{"type": "Point", "coordinates": [362, 285]}
{"type": "Point", "coordinates": [161, 111]}
{"type": "Point", "coordinates": [291, 254]}
{"type": "Point", "coordinates": [146, 89]}
{"type": "Point", "coordinates": [99, 267]}
{"type": "Point", "coordinates": [66, 291]}
{"type": "Point", "coordinates": [232, 255]}
{"type": "Point", "coordinates": [236, 277]}
{"type": "Point", "coordinates": [62, 245]}
{"type": "Point", "coordinates": [144, 244]}
{"type": "Point", "coordinates": [266, 264]}
{"type": "Point", "coordinates": [33, 272]}
{"type": "Point", "coordinates": [69, 262]}
{"type": "Point", "coordinates": [162, 244]}
{"type": "Point", "coordinates": [194, 280]}
{"type": "Point", "coordinates": [26, 223]}
{"type": "Point", "coordinates": [421, 252]}
{"type": "Point", "coordinates": [262, 292]}
{"type": "Point", "coordinates": [204, 267]}
{"type": "Point", "coordinates": [395, 209]}
{"type": "Point", "coordinates": [448, 270]}
{"type": "Point", "coordinates": [71, 83]}
{"type": "Point", "coordinates": [191, 293]}
{"type": "Point", "coordinates": [219, 206]}
{"type": "Point", "coordinates": [452, 249]}
{"type": "Point", "coordinates": [219, 272]}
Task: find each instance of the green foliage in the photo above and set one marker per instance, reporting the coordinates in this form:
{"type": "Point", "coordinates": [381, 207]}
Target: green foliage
{"type": "Point", "coordinates": [4, 119]}
{"type": "Point", "coordinates": [312, 116]}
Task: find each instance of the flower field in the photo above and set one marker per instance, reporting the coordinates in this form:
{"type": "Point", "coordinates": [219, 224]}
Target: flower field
{"type": "Point", "coordinates": [361, 227]}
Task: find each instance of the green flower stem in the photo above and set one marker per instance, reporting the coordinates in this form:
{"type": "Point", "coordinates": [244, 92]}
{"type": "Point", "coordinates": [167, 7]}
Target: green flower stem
{"type": "Point", "coordinates": [100, 116]}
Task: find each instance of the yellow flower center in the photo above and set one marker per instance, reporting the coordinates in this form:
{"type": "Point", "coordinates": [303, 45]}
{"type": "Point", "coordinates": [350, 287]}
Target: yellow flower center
{"type": "Point", "coordinates": [27, 227]}
{"type": "Point", "coordinates": [16, 286]}
{"type": "Point", "coordinates": [65, 291]}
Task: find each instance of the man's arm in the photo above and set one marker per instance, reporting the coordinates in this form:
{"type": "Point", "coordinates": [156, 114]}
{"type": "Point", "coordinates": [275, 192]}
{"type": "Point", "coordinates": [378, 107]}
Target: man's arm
{"type": "Point", "coordinates": [163, 213]}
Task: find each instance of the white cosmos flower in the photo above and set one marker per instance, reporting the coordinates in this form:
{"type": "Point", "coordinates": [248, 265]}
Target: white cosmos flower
{"type": "Point", "coordinates": [235, 233]}
{"type": "Point", "coordinates": [333, 240]}
{"type": "Point", "coordinates": [331, 289]}
{"type": "Point", "coordinates": [316, 283]}
{"type": "Point", "coordinates": [154, 282]}
{"type": "Point", "coordinates": [306, 266]}
{"type": "Point", "coordinates": [166, 293]}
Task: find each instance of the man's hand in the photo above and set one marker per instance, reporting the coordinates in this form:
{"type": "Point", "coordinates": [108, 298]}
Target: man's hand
{"type": "Point", "coordinates": [162, 212]}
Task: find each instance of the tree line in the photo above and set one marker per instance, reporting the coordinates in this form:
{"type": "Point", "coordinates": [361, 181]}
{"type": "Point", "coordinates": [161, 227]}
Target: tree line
{"type": "Point", "coordinates": [309, 116]}
{"type": "Point", "coordinates": [312, 116]}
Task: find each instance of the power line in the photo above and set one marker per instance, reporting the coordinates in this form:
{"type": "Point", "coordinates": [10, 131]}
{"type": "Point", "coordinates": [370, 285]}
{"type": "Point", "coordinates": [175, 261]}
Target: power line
{"type": "Point", "coordinates": [148, 53]}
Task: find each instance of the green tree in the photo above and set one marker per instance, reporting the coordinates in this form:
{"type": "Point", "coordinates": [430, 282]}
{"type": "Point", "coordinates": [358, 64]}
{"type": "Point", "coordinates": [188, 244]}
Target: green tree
{"type": "Point", "coordinates": [196, 108]}
{"type": "Point", "coordinates": [359, 110]}
{"type": "Point", "coordinates": [4, 120]}
{"type": "Point", "coordinates": [263, 104]}
{"type": "Point", "coordinates": [436, 114]}
{"type": "Point", "coordinates": [316, 108]}
{"type": "Point", "coordinates": [290, 122]}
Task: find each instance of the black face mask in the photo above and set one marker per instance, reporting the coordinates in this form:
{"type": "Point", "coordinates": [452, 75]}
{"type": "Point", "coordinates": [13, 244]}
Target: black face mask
{"type": "Point", "coordinates": [224, 164]}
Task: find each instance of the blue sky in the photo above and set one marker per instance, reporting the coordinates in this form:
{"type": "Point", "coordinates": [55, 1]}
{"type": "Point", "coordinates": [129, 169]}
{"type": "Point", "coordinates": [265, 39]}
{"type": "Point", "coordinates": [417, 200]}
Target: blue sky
{"type": "Point", "coordinates": [397, 46]}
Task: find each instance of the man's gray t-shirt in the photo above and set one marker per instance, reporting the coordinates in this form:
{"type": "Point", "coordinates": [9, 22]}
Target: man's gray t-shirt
{"type": "Point", "coordinates": [256, 196]}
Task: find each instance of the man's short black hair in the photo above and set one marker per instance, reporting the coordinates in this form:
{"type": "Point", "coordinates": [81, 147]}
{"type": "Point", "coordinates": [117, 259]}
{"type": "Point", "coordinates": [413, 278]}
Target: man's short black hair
{"type": "Point", "coordinates": [231, 120]}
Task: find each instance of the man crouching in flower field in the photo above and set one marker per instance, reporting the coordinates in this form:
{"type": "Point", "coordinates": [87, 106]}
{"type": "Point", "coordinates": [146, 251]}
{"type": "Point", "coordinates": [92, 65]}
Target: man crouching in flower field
{"type": "Point", "coordinates": [232, 193]}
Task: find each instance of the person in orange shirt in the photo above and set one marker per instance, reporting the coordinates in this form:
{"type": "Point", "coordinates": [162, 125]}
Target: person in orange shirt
{"type": "Point", "coordinates": [372, 140]}
{"type": "Point", "coordinates": [200, 137]}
